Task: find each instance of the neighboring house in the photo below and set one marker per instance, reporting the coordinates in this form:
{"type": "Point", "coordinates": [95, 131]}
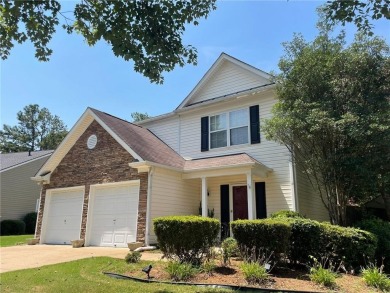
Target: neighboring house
{"type": "Point", "coordinates": [19, 195]}
{"type": "Point", "coordinates": [110, 178]}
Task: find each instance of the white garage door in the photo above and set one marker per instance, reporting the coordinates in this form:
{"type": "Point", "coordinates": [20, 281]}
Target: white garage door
{"type": "Point", "coordinates": [113, 214]}
{"type": "Point", "coordinates": [63, 219]}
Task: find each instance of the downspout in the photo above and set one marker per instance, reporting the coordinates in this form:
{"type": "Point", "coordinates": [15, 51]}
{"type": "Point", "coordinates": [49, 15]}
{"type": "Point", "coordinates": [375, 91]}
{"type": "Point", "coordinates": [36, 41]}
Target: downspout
{"type": "Point", "coordinates": [148, 203]}
{"type": "Point", "coordinates": [179, 136]}
{"type": "Point", "coordinates": [293, 180]}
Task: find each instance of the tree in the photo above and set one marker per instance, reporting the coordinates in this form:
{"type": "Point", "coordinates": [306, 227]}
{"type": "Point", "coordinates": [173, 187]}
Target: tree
{"type": "Point", "coordinates": [137, 116]}
{"type": "Point", "coordinates": [37, 129]}
{"type": "Point", "coordinates": [147, 32]}
{"type": "Point", "coordinates": [333, 114]}
{"type": "Point", "coordinates": [359, 12]}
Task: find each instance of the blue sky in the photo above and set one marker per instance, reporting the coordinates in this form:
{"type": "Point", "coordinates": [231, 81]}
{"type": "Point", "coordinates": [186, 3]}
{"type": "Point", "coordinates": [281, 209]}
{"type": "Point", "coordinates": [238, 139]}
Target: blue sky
{"type": "Point", "coordinates": [78, 76]}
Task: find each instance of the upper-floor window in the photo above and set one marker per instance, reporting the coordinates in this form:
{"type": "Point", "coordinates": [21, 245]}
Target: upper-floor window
{"type": "Point", "coordinates": [230, 128]}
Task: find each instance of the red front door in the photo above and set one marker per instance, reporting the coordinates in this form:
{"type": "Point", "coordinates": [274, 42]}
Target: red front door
{"type": "Point", "coordinates": [240, 203]}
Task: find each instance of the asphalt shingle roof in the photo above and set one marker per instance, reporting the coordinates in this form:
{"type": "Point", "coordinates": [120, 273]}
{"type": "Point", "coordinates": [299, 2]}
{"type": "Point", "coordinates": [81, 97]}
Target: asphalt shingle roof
{"type": "Point", "coordinates": [9, 160]}
{"type": "Point", "coordinates": [142, 141]}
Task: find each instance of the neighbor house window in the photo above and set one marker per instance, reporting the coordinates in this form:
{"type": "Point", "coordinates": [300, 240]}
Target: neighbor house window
{"type": "Point", "coordinates": [229, 129]}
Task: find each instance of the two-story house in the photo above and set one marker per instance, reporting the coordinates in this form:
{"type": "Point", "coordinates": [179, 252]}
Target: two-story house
{"type": "Point", "coordinates": [110, 178]}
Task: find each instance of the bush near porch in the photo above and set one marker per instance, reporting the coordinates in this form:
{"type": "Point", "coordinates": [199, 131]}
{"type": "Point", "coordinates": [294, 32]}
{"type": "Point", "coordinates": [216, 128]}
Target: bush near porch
{"type": "Point", "coordinates": [300, 238]}
{"type": "Point", "coordinates": [186, 238]}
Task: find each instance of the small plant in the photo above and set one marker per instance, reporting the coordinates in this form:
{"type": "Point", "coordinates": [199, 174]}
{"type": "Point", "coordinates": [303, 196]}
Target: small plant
{"type": "Point", "coordinates": [208, 267]}
{"type": "Point", "coordinates": [375, 277]}
{"type": "Point", "coordinates": [133, 257]}
{"type": "Point", "coordinates": [180, 271]}
{"type": "Point", "coordinates": [229, 248]}
{"type": "Point", "coordinates": [323, 275]}
{"type": "Point", "coordinates": [254, 272]}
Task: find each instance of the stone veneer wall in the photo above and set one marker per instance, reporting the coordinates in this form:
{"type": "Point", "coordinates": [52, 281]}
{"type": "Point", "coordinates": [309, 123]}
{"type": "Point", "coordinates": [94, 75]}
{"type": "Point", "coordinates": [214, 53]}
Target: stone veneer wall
{"type": "Point", "coordinates": [107, 162]}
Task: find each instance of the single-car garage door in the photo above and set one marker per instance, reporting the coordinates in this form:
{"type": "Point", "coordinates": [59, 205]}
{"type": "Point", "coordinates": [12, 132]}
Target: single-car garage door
{"type": "Point", "coordinates": [62, 215]}
{"type": "Point", "coordinates": [113, 214]}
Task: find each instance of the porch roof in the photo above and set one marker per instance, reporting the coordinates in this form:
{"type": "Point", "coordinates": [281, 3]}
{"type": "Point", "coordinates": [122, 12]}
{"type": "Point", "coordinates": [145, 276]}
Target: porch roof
{"type": "Point", "coordinates": [224, 165]}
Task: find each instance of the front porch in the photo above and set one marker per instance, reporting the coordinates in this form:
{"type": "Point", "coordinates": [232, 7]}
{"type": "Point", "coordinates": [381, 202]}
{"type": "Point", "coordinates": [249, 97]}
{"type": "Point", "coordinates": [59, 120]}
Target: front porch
{"type": "Point", "coordinates": [234, 187]}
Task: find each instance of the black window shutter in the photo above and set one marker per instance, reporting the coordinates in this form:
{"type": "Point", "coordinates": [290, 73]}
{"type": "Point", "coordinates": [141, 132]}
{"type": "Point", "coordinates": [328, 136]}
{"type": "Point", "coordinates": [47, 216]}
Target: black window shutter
{"type": "Point", "coordinates": [254, 124]}
{"type": "Point", "coordinates": [261, 205]}
{"type": "Point", "coordinates": [204, 121]}
{"type": "Point", "coordinates": [225, 214]}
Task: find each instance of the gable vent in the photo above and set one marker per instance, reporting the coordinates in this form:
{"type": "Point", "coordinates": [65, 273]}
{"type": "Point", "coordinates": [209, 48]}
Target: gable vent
{"type": "Point", "coordinates": [92, 141]}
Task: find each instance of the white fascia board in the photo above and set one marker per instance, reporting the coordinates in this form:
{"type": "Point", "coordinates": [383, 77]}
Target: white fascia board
{"type": "Point", "coordinates": [146, 165]}
{"type": "Point", "coordinates": [228, 98]}
{"type": "Point", "coordinates": [42, 179]}
{"type": "Point", "coordinates": [66, 139]}
{"type": "Point", "coordinates": [26, 162]}
{"type": "Point", "coordinates": [159, 117]}
{"type": "Point", "coordinates": [116, 137]}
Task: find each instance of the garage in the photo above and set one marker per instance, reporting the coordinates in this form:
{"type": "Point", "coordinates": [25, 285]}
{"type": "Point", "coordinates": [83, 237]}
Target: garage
{"type": "Point", "coordinates": [62, 216]}
{"type": "Point", "coordinates": [113, 214]}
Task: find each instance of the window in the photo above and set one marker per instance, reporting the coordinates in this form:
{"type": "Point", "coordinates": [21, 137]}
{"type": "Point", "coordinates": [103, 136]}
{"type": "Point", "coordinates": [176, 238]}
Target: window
{"type": "Point", "coordinates": [229, 129]}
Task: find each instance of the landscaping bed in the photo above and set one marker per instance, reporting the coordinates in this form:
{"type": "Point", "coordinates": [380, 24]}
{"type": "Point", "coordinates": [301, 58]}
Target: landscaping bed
{"type": "Point", "coordinates": [280, 278]}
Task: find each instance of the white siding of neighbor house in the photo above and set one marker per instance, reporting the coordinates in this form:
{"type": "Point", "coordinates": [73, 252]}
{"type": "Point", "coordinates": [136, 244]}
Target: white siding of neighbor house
{"type": "Point", "coordinates": [309, 201]}
{"type": "Point", "coordinates": [19, 194]}
{"type": "Point", "coordinates": [228, 79]}
{"type": "Point", "coordinates": [171, 195]}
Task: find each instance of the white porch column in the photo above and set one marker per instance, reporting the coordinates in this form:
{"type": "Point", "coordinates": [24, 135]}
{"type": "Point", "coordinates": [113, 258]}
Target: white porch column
{"type": "Point", "coordinates": [204, 197]}
{"type": "Point", "coordinates": [250, 194]}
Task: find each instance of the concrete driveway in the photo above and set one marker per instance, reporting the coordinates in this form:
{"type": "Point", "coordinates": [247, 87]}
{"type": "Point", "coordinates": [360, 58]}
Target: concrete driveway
{"type": "Point", "coordinates": [32, 256]}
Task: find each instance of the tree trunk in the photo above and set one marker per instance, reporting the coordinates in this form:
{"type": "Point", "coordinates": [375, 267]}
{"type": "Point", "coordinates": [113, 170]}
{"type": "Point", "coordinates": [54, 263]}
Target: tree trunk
{"type": "Point", "coordinates": [386, 199]}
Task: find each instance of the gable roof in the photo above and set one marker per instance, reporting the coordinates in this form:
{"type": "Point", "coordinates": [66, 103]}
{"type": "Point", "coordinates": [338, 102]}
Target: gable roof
{"type": "Point", "coordinates": [213, 71]}
{"type": "Point", "coordinates": [12, 160]}
{"type": "Point", "coordinates": [140, 142]}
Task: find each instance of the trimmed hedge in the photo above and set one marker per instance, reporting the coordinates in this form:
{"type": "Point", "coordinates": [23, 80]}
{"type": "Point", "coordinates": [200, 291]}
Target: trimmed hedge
{"type": "Point", "coordinates": [270, 235]}
{"type": "Point", "coordinates": [349, 244]}
{"type": "Point", "coordinates": [312, 238]}
{"type": "Point", "coordinates": [12, 227]}
{"type": "Point", "coordinates": [187, 238]}
{"type": "Point", "coordinates": [30, 220]}
{"type": "Point", "coordinates": [381, 229]}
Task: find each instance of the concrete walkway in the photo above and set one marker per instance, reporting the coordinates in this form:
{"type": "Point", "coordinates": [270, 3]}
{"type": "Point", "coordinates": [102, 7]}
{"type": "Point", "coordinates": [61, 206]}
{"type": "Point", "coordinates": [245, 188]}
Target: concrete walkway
{"type": "Point", "coordinates": [32, 256]}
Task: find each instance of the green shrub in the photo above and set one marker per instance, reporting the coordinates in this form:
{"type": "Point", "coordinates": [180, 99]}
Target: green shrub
{"type": "Point", "coordinates": [254, 272]}
{"type": "Point", "coordinates": [375, 277]}
{"type": "Point", "coordinates": [305, 240]}
{"type": "Point", "coordinates": [186, 238]}
{"type": "Point", "coordinates": [229, 248]}
{"type": "Point", "coordinates": [266, 235]}
{"type": "Point", "coordinates": [180, 271]}
{"type": "Point", "coordinates": [323, 276]}
{"type": "Point", "coordinates": [133, 257]}
{"type": "Point", "coordinates": [349, 244]}
{"type": "Point", "coordinates": [30, 220]}
{"type": "Point", "coordinates": [381, 229]}
{"type": "Point", "coordinates": [287, 214]}
{"type": "Point", "coordinates": [208, 267]}
{"type": "Point", "coordinates": [12, 227]}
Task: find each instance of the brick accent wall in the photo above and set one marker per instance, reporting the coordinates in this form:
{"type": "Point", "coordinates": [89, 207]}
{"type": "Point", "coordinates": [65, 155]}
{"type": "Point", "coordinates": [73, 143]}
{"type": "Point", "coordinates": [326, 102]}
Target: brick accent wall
{"type": "Point", "coordinates": [107, 162]}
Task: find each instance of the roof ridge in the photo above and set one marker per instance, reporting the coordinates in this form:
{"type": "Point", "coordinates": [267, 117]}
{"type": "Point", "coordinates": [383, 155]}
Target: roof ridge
{"type": "Point", "coordinates": [118, 118]}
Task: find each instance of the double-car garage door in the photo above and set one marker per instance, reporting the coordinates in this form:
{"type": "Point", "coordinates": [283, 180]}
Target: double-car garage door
{"type": "Point", "coordinates": [112, 214]}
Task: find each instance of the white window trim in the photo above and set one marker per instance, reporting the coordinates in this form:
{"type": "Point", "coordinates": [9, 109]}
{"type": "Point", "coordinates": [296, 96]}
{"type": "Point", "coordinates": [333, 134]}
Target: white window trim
{"type": "Point", "coordinates": [227, 129]}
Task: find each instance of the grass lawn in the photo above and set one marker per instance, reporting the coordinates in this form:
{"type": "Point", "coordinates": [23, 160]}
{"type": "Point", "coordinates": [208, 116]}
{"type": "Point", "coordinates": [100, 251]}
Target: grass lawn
{"type": "Point", "coordinates": [84, 276]}
{"type": "Point", "coordinates": [14, 240]}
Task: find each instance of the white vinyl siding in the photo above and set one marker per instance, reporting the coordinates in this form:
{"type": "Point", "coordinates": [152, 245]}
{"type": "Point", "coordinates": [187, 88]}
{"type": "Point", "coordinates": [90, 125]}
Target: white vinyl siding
{"type": "Point", "coordinates": [19, 194]}
{"type": "Point", "coordinates": [271, 154]}
{"type": "Point", "coordinates": [229, 79]}
{"type": "Point", "coordinates": [171, 195]}
{"type": "Point", "coordinates": [309, 202]}
{"type": "Point", "coordinates": [167, 130]}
